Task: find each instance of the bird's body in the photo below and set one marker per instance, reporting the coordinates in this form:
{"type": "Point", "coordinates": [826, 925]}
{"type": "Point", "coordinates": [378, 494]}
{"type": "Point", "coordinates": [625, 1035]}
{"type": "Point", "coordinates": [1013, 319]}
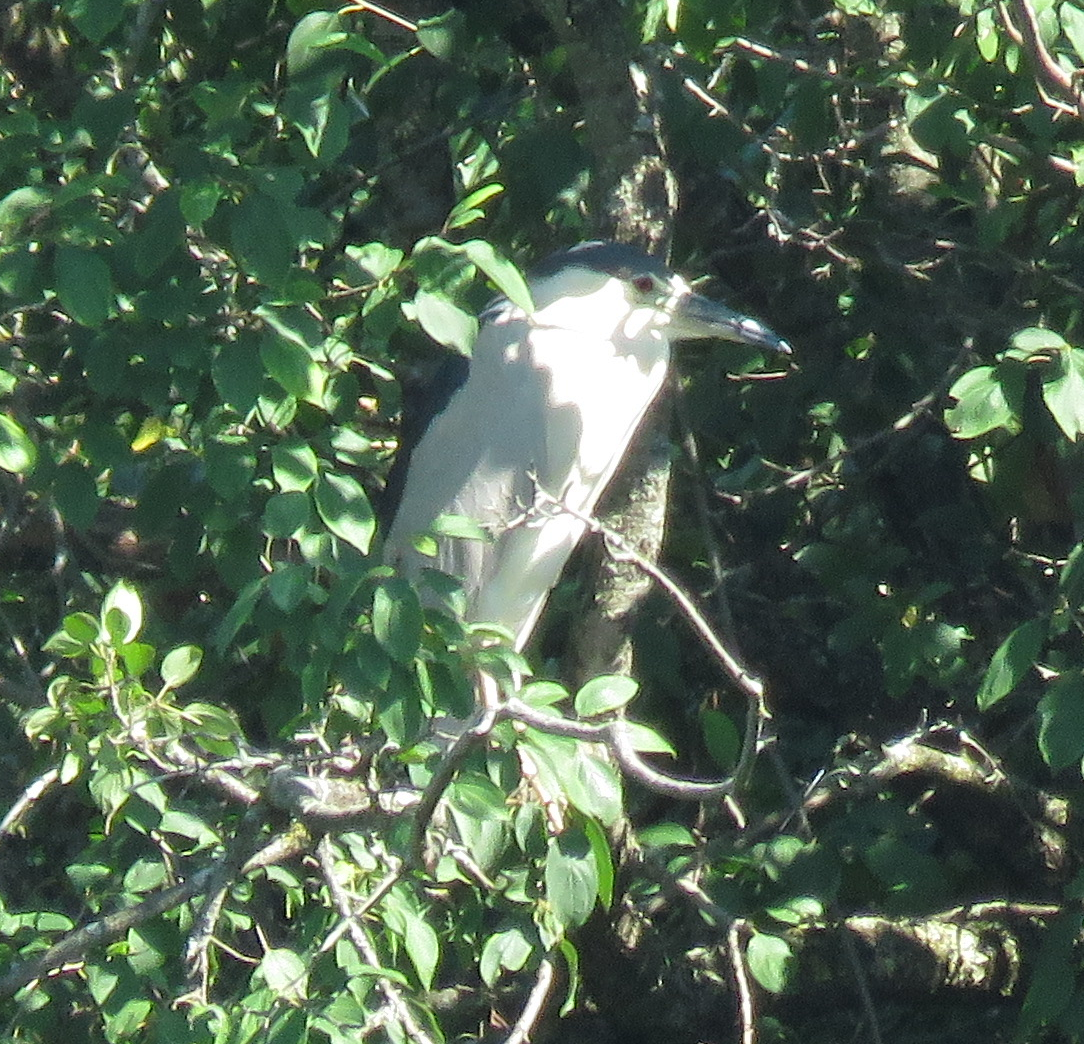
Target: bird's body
{"type": "Point", "coordinates": [550, 404]}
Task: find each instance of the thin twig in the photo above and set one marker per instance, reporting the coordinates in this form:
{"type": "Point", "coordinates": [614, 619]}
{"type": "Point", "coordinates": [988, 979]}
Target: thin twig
{"type": "Point", "coordinates": [1050, 76]}
{"type": "Point", "coordinates": [360, 938]}
{"type": "Point", "coordinates": [746, 1008]}
{"type": "Point", "coordinates": [749, 683]}
{"type": "Point", "coordinates": [223, 874]}
{"type": "Point", "coordinates": [26, 801]}
{"type": "Point", "coordinates": [383, 12]}
{"type": "Point", "coordinates": [442, 778]}
{"type": "Point", "coordinates": [918, 409]}
{"type": "Point", "coordinates": [860, 978]}
{"type": "Point", "coordinates": [532, 1010]}
{"type": "Point", "coordinates": [615, 736]}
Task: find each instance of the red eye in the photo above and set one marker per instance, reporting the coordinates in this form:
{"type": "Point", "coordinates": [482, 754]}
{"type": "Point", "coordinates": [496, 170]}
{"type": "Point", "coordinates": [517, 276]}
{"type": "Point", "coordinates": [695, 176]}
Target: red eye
{"type": "Point", "coordinates": [644, 283]}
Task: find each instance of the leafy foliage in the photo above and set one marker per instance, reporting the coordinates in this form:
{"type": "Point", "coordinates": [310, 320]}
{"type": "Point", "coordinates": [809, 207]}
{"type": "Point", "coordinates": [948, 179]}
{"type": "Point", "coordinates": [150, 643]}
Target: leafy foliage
{"type": "Point", "coordinates": [230, 235]}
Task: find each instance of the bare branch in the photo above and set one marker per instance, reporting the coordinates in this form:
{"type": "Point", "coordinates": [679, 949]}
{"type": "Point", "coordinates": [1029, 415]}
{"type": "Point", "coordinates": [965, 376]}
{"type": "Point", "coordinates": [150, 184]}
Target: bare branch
{"type": "Point", "coordinates": [615, 736]}
{"type": "Point", "coordinates": [77, 944]}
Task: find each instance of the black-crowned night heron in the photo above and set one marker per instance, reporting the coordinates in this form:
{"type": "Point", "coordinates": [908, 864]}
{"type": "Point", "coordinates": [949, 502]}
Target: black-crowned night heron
{"type": "Point", "coordinates": [549, 406]}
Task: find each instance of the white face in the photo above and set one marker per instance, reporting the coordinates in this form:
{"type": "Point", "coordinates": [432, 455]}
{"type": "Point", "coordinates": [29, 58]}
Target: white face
{"type": "Point", "coordinates": [653, 301]}
{"type": "Point", "coordinates": [596, 304]}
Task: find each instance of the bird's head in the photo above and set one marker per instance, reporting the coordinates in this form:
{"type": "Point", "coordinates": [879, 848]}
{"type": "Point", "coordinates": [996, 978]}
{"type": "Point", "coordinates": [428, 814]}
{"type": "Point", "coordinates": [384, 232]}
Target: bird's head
{"type": "Point", "coordinates": [606, 286]}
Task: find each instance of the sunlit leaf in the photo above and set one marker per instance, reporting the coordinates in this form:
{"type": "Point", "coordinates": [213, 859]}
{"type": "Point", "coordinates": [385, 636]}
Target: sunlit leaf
{"type": "Point", "coordinates": [769, 958]}
{"type": "Point", "coordinates": [18, 454]}
{"type": "Point", "coordinates": [445, 321]}
{"type": "Point", "coordinates": [605, 694]}
{"type": "Point", "coordinates": [181, 664]}
{"type": "Point", "coordinates": [345, 510]}
{"type": "Point", "coordinates": [1064, 393]}
{"type": "Point", "coordinates": [1014, 659]}
{"type": "Point", "coordinates": [125, 598]}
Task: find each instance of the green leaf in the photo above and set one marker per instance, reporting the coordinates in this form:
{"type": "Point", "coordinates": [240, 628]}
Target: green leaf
{"type": "Point", "coordinates": [459, 527]}
{"type": "Point", "coordinates": [261, 236]}
{"type": "Point", "coordinates": [647, 741]}
{"type": "Point", "coordinates": [82, 628]}
{"type": "Point", "coordinates": [1071, 581]}
{"type": "Point", "coordinates": [506, 950]}
{"type": "Point", "coordinates": [1072, 24]}
{"type": "Point", "coordinates": [604, 863]}
{"type": "Point", "coordinates": [20, 207]}
{"type": "Point", "coordinates": [1036, 340]}
{"type": "Point", "coordinates": [505, 275]}
{"type": "Point", "coordinates": [397, 619]}
{"type": "Point", "coordinates": [1061, 722]}
{"type": "Point", "coordinates": [480, 811]}
{"type": "Point", "coordinates": [199, 200]}
{"type": "Point", "coordinates": [230, 465]}
{"type": "Point", "coordinates": [345, 509]}
{"type": "Point", "coordinates": [439, 36]}
{"type": "Point", "coordinates": [144, 875]}
{"type": "Point", "coordinates": [138, 657]}
{"type": "Point", "coordinates": [542, 693]}
{"type": "Point", "coordinates": [797, 910]}
{"type": "Point", "coordinates": [987, 34]}
{"type": "Point", "coordinates": [239, 613]}
{"type": "Point", "coordinates": [286, 974]}
{"type": "Point", "coordinates": [468, 209]}
{"type": "Point", "coordinates": [162, 233]}
{"type": "Point", "coordinates": [444, 320]}
{"type": "Point", "coordinates": [288, 586]}
{"type": "Point", "coordinates": [1053, 975]}
{"type": "Point", "coordinates": [666, 835]}
{"type": "Point", "coordinates": [292, 367]}
{"type": "Point", "coordinates": [605, 694]}
{"type": "Point", "coordinates": [76, 494]}
{"type": "Point", "coordinates": [1014, 658]}
{"type": "Point", "coordinates": [83, 285]}
{"type": "Point", "coordinates": [769, 958]}
{"type": "Point", "coordinates": [180, 665]}
{"type": "Point", "coordinates": [79, 632]}
{"type": "Point", "coordinates": [285, 513]}
{"type": "Point", "coordinates": [314, 107]}
{"type": "Point", "coordinates": [721, 737]}
{"type": "Point", "coordinates": [407, 921]}
{"type": "Point", "coordinates": [571, 877]}
{"type": "Point", "coordinates": [1064, 394]}
{"type": "Point", "coordinates": [307, 47]}
{"type": "Point", "coordinates": [238, 375]}
{"type": "Point", "coordinates": [912, 877]}
{"type": "Point", "coordinates": [983, 404]}
{"type": "Point", "coordinates": [123, 598]}
{"type": "Point", "coordinates": [594, 786]}
{"type": "Point", "coordinates": [293, 464]}
{"type": "Point", "coordinates": [423, 949]}
{"type": "Point", "coordinates": [572, 960]}
{"type": "Point", "coordinates": [18, 454]}
{"type": "Point", "coordinates": [95, 19]}
{"type": "Point", "coordinates": [376, 260]}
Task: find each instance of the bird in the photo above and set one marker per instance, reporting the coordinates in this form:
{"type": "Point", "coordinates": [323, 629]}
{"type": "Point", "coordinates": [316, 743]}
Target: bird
{"type": "Point", "coordinates": [546, 409]}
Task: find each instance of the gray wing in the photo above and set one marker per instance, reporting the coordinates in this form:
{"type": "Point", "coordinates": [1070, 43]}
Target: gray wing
{"type": "Point", "coordinates": [476, 459]}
